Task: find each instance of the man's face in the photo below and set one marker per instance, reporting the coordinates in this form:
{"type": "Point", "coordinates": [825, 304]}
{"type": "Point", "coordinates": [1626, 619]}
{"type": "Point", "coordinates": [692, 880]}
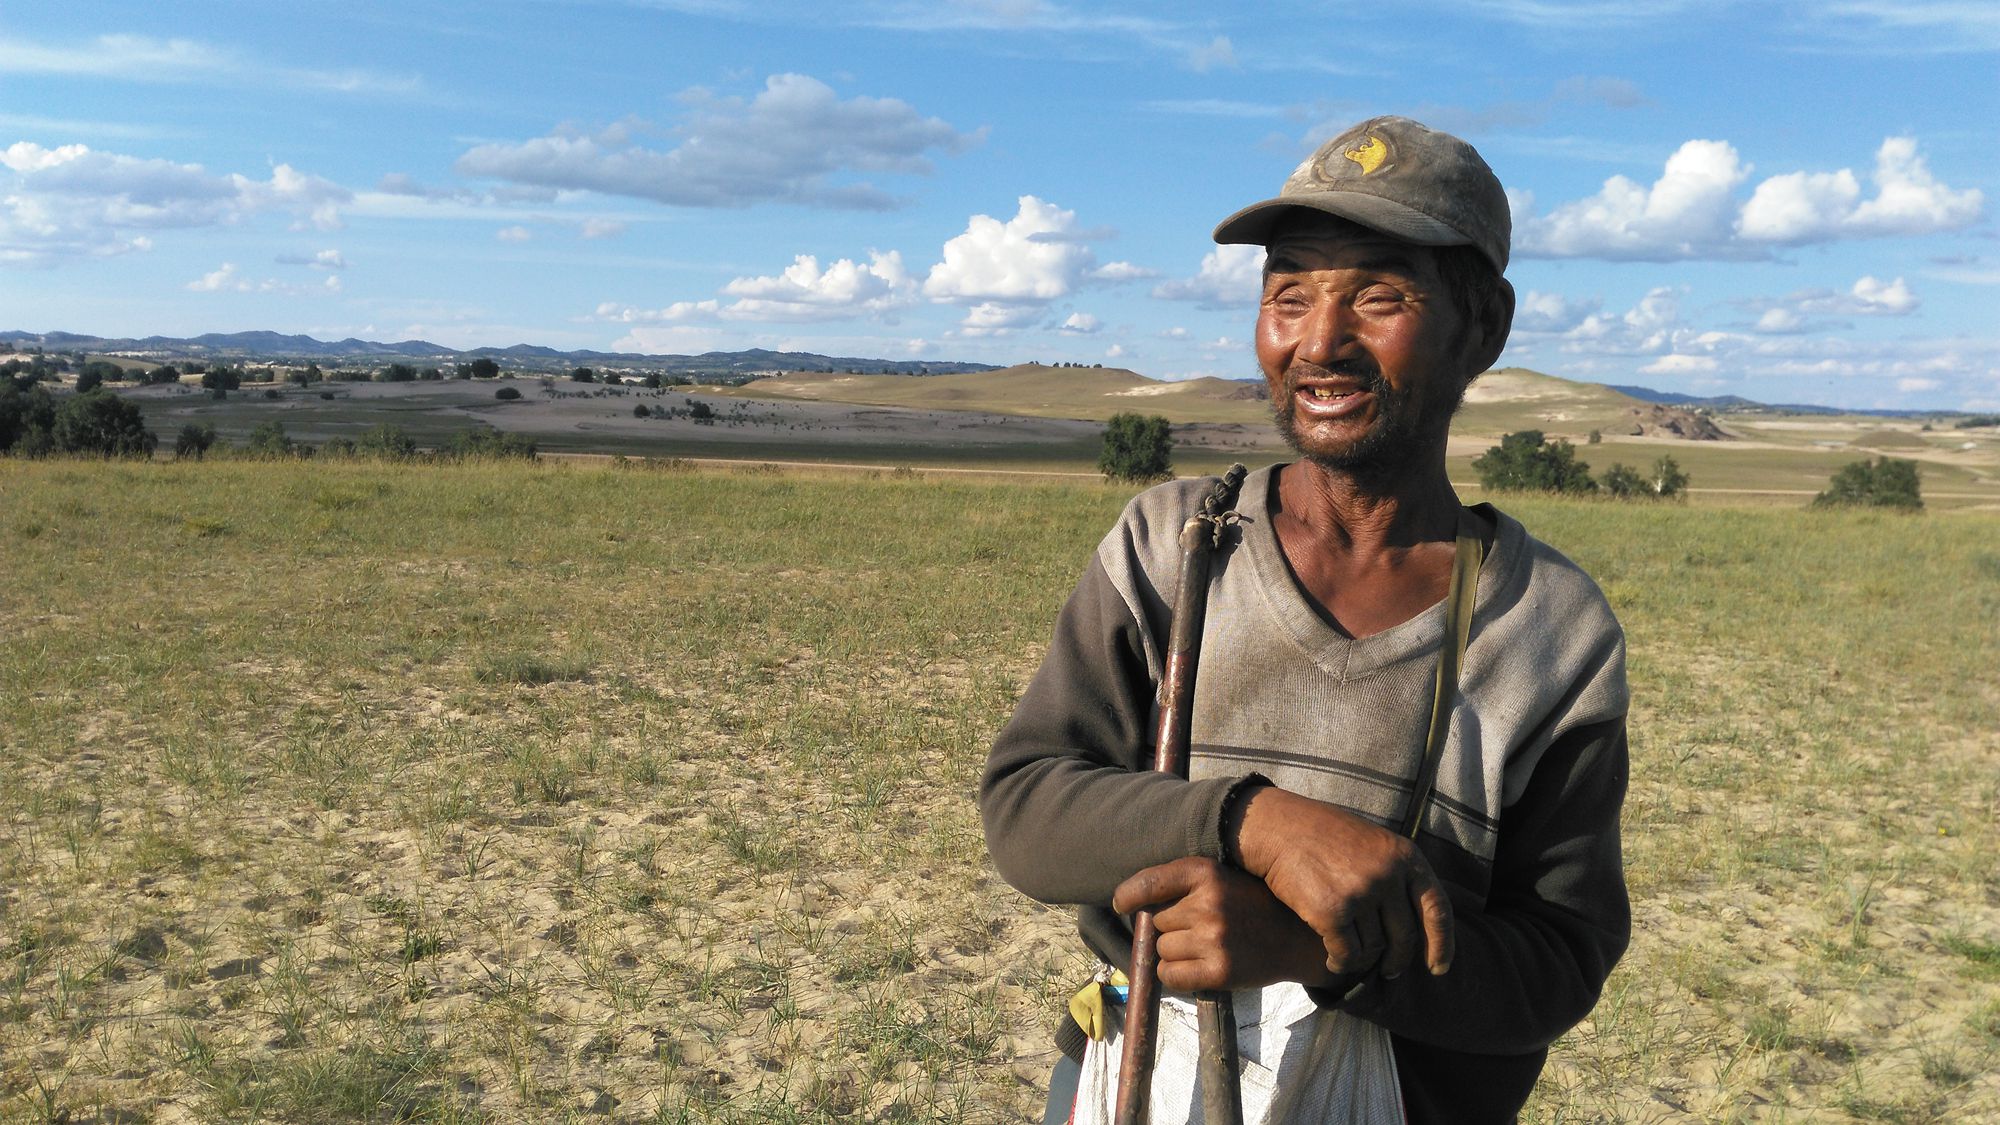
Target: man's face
{"type": "Point", "coordinates": [1365, 353]}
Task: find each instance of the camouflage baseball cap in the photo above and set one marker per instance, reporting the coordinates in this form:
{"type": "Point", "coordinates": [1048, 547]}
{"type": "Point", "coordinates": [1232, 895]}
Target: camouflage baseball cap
{"type": "Point", "coordinates": [1392, 175]}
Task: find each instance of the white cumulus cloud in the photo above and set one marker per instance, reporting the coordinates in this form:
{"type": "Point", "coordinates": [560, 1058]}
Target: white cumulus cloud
{"type": "Point", "coordinates": [1685, 213]}
{"type": "Point", "coordinates": [1681, 365]}
{"type": "Point", "coordinates": [1004, 261]}
{"type": "Point", "coordinates": [783, 145]}
{"type": "Point", "coordinates": [73, 201]}
{"type": "Point", "coordinates": [1080, 324]}
{"type": "Point", "coordinates": [218, 280]}
{"type": "Point", "coordinates": [1817, 206]}
{"type": "Point", "coordinates": [1229, 278]}
{"type": "Point", "coordinates": [803, 291]}
{"type": "Point", "coordinates": [1692, 210]}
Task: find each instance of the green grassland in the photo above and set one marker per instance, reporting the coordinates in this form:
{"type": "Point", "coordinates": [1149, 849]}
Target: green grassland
{"type": "Point", "coordinates": [531, 792]}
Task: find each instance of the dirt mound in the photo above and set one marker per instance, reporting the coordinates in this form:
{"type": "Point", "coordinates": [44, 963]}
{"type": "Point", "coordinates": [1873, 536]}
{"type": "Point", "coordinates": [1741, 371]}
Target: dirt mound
{"type": "Point", "coordinates": [1660, 420]}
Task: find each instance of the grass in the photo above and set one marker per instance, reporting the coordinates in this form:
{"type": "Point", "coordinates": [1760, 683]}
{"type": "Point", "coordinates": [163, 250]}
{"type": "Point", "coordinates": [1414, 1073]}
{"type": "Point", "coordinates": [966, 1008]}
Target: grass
{"type": "Point", "coordinates": [529, 793]}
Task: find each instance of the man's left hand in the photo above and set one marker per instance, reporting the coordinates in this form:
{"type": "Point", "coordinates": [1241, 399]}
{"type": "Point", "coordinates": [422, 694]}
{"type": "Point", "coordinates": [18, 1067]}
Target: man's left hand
{"type": "Point", "coordinates": [1221, 928]}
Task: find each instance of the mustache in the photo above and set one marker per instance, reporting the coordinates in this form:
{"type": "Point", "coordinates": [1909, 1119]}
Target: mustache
{"type": "Point", "coordinates": [1358, 370]}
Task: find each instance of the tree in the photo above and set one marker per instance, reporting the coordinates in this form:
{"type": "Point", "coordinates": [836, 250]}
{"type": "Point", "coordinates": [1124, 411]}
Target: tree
{"type": "Point", "coordinates": [641, 411]}
{"type": "Point", "coordinates": [398, 373]}
{"type": "Point", "coordinates": [1524, 462]}
{"type": "Point", "coordinates": [583, 375]}
{"type": "Point", "coordinates": [98, 371]}
{"type": "Point", "coordinates": [485, 368]}
{"type": "Point", "coordinates": [506, 394]}
{"type": "Point", "coordinates": [701, 412]}
{"type": "Point", "coordinates": [1137, 447]}
{"type": "Point", "coordinates": [27, 417]}
{"type": "Point", "coordinates": [193, 442]}
{"type": "Point", "coordinates": [1668, 482]}
{"type": "Point", "coordinates": [166, 373]}
{"type": "Point", "coordinates": [1884, 482]}
{"type": "Point", "coordinates": [221, 379]}
{"type": "Point", "coordinates": [102, 424]}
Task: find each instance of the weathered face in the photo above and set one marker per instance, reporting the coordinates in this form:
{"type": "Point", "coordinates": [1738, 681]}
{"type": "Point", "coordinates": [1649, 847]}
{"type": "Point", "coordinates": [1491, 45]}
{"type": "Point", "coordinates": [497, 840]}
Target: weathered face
{"type": "Point", "coordinates": [1365, 354]}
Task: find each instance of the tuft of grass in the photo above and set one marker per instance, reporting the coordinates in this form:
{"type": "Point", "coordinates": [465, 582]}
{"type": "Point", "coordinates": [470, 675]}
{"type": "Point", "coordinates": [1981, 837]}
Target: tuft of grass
{"type": "Point", "coordinates": [519, 668]}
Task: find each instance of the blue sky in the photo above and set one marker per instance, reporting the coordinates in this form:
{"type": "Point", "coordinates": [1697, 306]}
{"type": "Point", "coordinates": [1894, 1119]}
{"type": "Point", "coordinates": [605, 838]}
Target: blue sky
{"type": "Point", "coordinates": [1791, 201]}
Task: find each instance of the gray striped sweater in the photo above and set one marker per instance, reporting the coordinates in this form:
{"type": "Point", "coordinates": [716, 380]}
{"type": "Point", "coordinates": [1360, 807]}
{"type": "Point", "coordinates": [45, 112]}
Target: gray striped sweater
{"type": "Point", "coordinates": [1523, 830]}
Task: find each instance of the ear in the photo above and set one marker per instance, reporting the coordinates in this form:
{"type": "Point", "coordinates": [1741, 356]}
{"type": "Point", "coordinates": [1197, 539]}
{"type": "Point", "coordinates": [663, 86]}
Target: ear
{"type": "Point", "coordinates": [1487, 338]}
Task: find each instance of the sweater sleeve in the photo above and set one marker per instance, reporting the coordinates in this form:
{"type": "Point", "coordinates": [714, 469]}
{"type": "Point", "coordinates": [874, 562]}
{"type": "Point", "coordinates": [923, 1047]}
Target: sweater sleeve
{"type": "Point", "coordinates": [1069, 805]}
{"type": "Point", "coordinates": [1533, 955]}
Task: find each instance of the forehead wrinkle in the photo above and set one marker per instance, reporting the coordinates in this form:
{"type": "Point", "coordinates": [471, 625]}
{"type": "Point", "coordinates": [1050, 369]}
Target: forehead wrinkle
{"type": "Point", "coordinates": [1283, 259]}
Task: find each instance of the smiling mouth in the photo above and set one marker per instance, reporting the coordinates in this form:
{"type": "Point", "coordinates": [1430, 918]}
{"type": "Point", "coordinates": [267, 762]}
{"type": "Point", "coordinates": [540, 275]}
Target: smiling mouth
{"type": "Point", "coordinates": [1324, 395]}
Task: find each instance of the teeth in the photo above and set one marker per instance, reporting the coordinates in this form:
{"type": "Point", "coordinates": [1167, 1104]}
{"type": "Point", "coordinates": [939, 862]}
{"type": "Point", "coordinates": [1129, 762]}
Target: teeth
{"type": "Point", "coordinates": [1322, 393]}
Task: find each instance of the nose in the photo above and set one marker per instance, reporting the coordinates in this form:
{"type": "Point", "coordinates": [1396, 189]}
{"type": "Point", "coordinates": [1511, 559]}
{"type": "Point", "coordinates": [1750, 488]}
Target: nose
{"type": "Point", "coordinates": [1325, 332]}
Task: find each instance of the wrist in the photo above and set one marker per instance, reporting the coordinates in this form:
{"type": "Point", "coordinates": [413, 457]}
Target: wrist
{"type": "Point", "coordinates": [1231, 826]}
{"type": "Point", "coordinates": [1253, 831]}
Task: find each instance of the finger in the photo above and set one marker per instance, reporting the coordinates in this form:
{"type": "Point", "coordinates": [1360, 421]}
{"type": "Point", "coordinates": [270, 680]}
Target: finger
{"type": "Point", "coordinates": [1155, 886]}
{"type": "Point", "coordinates": [1404, 938]}
{"type": "Point", "coordinates": [1199, 974]}
{"type": "Point", "coordinates": [1440, 945]}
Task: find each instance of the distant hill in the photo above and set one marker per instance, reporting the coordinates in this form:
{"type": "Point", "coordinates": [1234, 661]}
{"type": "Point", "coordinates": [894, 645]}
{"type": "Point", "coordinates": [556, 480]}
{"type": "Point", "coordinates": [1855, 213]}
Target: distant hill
{"type": "Point", "coordinates": [246, 346]}
{"type": "Point", "coordinates": [1500, 401]}
{"type": "Point", "coordinates": [1033, 389]}
{"type": "Point", "coordinates": [1737, 404]}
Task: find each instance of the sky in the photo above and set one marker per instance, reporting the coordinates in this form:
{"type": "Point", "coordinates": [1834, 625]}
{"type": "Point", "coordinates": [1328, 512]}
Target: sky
{"type": "Point", "coordinates": [1794, 202]}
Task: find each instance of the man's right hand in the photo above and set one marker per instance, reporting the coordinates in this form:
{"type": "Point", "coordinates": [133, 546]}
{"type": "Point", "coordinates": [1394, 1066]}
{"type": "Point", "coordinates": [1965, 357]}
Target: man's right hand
{"type": "Point", "coordinates": [1367, 892]}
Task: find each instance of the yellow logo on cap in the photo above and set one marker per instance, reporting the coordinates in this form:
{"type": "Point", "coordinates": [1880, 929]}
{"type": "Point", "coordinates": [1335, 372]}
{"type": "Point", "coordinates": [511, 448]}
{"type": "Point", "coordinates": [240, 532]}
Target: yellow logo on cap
{"type": "Point", "coordinates": [1370, 156]}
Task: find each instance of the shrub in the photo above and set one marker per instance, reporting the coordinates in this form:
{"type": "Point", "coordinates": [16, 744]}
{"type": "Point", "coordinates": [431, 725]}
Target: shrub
{"type": "Point", "coordinates": [1884, 482]}
{"type": "Point", "coordinates": [272, 392]}
{"type": "Point", "coordinates": [1623, 482]}
{"type": "Point", "coordinates": [194, 440]}
{"type": "Point", "coordinates": [487, 443]}
{"type": "Point", "coordinates": [702, 412]}
{"type": "Point", "coordinates": [1137, 447]}
{"type": "Point", "coordinates": [640, 411]}
{"type": "Point", "coordinates": [506, 394]}
{"type": "Point", "coordinates": [269, 440]}
{"type": "Point", "coordinates": [1524, 462]}
{"type": "Point", "coordinates": [387, 441]}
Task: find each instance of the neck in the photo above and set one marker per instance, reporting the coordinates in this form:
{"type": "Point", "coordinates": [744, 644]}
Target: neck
{"type": "Point", "coordinates": [1359, 513]}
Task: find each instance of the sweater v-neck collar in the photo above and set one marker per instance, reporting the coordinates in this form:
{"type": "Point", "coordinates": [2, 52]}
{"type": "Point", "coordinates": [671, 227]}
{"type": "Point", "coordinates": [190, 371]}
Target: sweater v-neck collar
{"type": "Point", "coordinates": [1344, 657]}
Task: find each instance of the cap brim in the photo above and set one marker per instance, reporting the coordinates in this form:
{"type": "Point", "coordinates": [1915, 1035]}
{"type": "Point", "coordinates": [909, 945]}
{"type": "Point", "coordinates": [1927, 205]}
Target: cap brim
{"type": "Point", "coordinates": [1254, 223]}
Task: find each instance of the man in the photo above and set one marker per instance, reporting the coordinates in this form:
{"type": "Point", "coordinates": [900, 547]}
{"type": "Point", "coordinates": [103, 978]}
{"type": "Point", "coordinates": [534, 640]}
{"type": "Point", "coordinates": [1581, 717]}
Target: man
{"type": "Point", "coordinates": [1273, 866]}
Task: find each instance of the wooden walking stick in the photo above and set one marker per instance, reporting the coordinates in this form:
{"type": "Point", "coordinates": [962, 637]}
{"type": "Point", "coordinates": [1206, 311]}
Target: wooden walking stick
{"type": "Point", "coordinates": [1221, 1097]}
